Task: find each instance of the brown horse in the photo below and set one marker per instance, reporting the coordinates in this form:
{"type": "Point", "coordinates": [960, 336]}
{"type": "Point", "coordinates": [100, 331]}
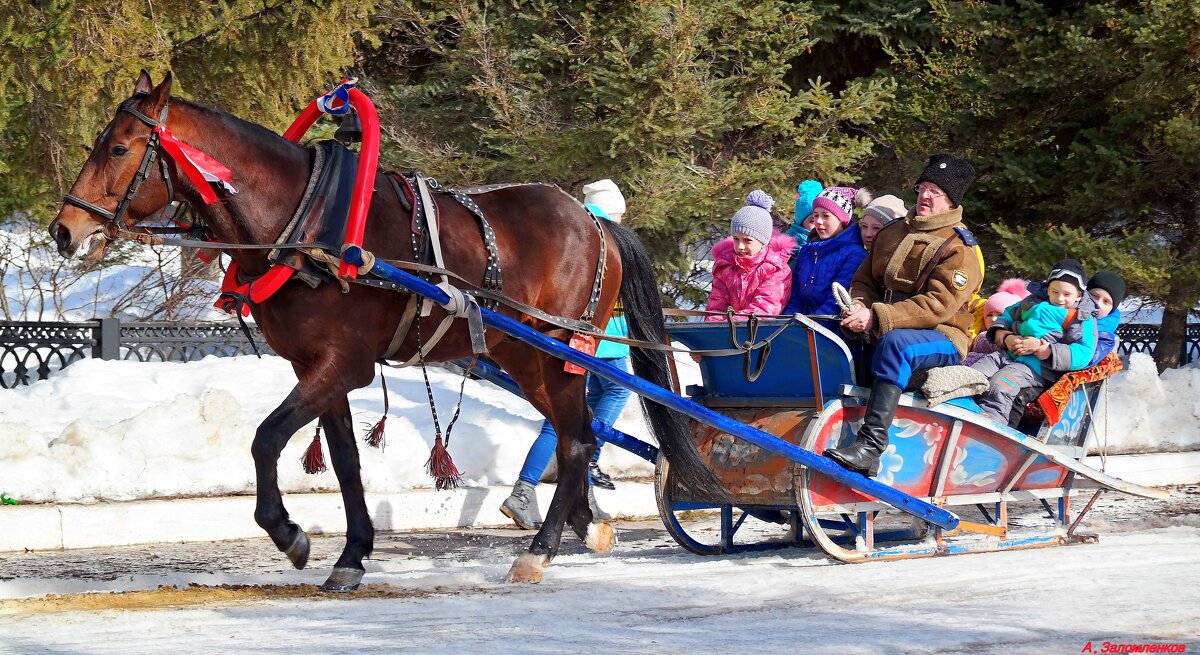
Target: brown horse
{"type": "Point", "coordinates": [548, 250]}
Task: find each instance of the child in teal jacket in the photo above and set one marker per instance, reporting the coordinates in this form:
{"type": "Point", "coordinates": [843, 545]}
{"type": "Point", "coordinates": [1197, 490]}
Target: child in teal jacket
{"type": "Point", "coordinates": [801, 226]}
{"type": "Point", "coordinates": [1051, 331]}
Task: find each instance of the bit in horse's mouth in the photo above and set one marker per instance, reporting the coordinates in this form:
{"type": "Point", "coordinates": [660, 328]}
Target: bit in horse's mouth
{"type": "Point", "coordinates": [89, 245]}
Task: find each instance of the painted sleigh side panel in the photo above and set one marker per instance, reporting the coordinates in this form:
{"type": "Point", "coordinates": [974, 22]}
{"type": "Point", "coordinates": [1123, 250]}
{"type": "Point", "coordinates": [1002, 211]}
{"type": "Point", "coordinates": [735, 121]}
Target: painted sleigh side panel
{"type": "Point", "coordinates": [982, 461]}
{"type": "Point", "coordinates": [752, 475]}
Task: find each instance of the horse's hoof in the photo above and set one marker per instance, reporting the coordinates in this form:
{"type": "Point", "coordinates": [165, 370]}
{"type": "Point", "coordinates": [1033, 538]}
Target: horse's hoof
{"type": "Point", "coordinates": [528, 568]}
{"type": "Point", "coordinates": [298, 551]}
{"type": "Point", "coordinates": [600, 537]}
{"type": "Point", "coordinates": [343, 580]}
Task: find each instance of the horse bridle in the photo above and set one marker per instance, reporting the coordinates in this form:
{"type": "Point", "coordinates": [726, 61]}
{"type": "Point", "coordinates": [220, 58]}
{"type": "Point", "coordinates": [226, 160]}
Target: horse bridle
{"type": "Point", "coordinates": [112, 225]}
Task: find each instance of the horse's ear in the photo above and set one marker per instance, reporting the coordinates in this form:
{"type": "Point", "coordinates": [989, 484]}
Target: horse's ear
{"type": "Point", "coordinates": [159, 96]}
{"type": "Point", "coordinates": [143, 84]}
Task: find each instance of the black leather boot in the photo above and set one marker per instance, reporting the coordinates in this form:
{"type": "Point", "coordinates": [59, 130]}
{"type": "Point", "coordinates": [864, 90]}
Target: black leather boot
{"type": "Point", "coordinates": [863, 455]}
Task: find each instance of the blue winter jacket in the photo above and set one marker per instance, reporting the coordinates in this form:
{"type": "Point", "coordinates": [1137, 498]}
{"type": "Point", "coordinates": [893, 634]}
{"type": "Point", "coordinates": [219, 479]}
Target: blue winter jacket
{"type": "Point", "coordinates": [1106, 337]}
{"type": "Point", "coordinates": [818, 265]}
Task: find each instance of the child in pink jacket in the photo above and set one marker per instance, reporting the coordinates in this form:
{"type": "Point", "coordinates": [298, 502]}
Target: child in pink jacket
{"type": "Point", "coordinates": [1010, 292]}
{"type": "Point", "coordinates": [750, 268]}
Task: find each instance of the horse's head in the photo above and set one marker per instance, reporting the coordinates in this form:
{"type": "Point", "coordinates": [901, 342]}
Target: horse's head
{"type": "Point", "coordinates": [120, 182]}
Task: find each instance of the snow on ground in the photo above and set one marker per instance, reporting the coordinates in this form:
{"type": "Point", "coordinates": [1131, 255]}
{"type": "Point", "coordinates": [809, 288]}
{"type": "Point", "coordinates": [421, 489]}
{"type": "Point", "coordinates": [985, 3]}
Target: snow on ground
{"type": "Point", "coordinates": [652, 597]}
{"type": "Point", "coordinates": [117, 430]}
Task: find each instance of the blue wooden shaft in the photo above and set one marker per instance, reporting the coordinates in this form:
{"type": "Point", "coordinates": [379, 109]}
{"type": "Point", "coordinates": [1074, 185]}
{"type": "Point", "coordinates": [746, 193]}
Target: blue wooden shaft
{"type": "Point", "coordinates": [898, 499]}
{"type": "Point", "coordinates": [604, 431]}
{"type": "Point", "coordinates": [625, 440]}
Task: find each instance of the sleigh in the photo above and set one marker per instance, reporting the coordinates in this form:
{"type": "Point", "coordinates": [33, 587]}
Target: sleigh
{"type": "Point", "coordinates": [950, 456]}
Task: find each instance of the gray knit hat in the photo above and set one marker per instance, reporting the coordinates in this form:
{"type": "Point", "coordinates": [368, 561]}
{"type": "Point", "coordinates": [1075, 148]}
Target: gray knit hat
{"type": "Point", "coordinates": [886, 209]}
{"type": "Point", "coordinates": [754, 220]}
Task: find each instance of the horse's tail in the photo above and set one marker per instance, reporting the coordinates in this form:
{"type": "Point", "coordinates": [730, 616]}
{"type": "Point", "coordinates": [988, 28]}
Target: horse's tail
{"type": "Point", "coordinates": [643, 313]}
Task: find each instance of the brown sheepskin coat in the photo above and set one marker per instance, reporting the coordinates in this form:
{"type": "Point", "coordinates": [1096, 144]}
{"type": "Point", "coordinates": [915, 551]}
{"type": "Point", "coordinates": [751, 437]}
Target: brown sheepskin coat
{"type": "Point", "coordinates": [900, 252]}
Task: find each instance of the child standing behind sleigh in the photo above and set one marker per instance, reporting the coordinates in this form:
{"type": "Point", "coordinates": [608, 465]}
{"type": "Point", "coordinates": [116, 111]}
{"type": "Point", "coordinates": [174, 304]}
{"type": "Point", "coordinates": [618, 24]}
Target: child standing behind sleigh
{"type": "Point", "coordinates": [750, 268]}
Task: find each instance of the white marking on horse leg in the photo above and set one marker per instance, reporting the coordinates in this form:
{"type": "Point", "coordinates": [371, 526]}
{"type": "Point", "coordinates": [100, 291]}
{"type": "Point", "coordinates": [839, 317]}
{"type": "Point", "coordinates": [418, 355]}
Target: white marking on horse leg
{"type": "Point", "coordinates": [527, 568]}
{"type": "Point", "coordinates": [600, 537]}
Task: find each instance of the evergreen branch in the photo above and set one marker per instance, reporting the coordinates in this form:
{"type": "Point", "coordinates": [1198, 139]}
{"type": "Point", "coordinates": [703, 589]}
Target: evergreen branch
{"type": "Point", "coordinates": [204, 36]}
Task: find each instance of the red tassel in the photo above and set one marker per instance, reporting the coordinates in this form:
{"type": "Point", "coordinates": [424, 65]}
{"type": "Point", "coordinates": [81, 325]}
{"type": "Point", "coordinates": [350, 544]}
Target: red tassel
{"type": "Point", "coordinates": [314, 459]}
{"type": "Point", "coordinates": [441, 467]}
{"type": "Point", "coordinates": [375, 437]}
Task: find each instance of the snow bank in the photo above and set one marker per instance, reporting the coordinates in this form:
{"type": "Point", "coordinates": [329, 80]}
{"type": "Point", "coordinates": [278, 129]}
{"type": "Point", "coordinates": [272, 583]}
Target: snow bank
{"type": "Point", "coordinates": [1146, 412]}
{"type": "Point", "coordinates": [123, 430]}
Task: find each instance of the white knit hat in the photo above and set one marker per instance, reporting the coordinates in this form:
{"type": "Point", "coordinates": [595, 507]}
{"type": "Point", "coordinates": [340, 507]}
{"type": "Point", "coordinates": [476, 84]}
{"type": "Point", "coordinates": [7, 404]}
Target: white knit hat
{"type": "Point", "coordinates": [754, 219]}
{"type": "Point", "coordinates": [605, 195]}
{"type": "Point", "coordinates": [886, 209]}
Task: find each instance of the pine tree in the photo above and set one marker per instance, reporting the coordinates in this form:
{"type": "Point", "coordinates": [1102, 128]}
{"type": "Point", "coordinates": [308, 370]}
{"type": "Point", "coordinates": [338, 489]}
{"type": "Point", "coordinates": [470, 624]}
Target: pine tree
{"type": "Point", "coordinates": [1084, 123]}
{"type": "Point", "coordinates": [66, 64]}
{"type": "Point", "coordinates": [685, 104]}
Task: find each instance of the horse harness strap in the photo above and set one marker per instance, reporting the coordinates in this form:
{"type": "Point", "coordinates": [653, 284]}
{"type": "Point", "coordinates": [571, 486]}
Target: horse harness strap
{"type": "Point", "coordinates": [148, 158]}
{"type": "Point", "coordinates": [598, 281]}
{"type": "Point", "coordinates": [493, 277]}
{"type": "Point", "coordinates": [426, 244]}
{"type": "Point", "coordinates": [406, 319]}
{"type": "Point", "coordinates": [432, 225]}
{"type": "Point", "coordinates": [574, 325]}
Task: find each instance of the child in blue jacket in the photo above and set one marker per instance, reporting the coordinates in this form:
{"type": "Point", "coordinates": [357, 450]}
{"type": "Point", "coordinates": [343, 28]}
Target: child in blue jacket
{"type": "Point", "coordinates": [1107, 290]}
{"type": "Point", "coordinates": [832, 254]}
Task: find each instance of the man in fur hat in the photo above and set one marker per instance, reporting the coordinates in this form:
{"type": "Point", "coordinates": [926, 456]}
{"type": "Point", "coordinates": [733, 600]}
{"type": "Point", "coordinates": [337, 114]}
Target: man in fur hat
{"type": "Point", "coordinates": [910, 294]}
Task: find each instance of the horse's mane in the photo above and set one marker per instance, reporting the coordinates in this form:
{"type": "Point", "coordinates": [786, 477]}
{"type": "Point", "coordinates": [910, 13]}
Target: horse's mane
{"type": "Point", "coordinates": [231, 122]}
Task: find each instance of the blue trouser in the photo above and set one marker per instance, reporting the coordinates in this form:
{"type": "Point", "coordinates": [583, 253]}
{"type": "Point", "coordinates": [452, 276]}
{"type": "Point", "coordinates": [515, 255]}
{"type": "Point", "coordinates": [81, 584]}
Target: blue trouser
{"type": "Point", "coordinates": [900, 353]}
{"type": "Point", "coordinates": [606, 400]}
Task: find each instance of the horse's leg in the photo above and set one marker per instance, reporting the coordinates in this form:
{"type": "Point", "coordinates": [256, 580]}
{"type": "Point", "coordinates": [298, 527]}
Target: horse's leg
{"type": "Point", "coordinates": [560, 397]}
{"type": "Point", "coordinates": [273, 434]}
{"type": "Point", "coordinates": [360, 533]}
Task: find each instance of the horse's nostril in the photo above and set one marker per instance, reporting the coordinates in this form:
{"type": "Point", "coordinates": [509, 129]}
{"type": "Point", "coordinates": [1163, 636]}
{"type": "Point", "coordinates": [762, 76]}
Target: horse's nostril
{"type": "Point", "coordinates": [62, 235]}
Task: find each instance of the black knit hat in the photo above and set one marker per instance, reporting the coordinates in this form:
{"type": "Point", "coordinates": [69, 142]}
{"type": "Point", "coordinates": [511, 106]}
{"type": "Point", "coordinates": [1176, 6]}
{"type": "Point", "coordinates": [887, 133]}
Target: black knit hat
{"type": "Point", "coordinates": [1110, 282]}
{"type": "Point", "coordinates": [1068, 270]}
{"type": "Point", "coordinates": [952, 174]}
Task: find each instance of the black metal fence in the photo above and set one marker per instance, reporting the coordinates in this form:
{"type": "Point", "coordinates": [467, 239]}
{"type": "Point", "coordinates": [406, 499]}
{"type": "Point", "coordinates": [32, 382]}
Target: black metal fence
{"type": "Point", "coordinates": [1142, 337]}
{"type": "Point", "coordinates": [32, 351]}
